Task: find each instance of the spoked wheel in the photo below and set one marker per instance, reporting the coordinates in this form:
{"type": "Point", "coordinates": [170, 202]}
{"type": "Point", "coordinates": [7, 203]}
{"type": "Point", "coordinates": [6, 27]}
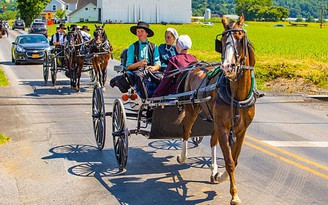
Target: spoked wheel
{"type": "Point", "coordinates": [197, 140]}
{"type": "Point", "coordinates": [53, 71]}
{"type": "Point", "coordinates": [45, 67]}
{"type": "Point", "coordinates": [99, 116]}
{"type": "Point", "coordinates": [120, 134]}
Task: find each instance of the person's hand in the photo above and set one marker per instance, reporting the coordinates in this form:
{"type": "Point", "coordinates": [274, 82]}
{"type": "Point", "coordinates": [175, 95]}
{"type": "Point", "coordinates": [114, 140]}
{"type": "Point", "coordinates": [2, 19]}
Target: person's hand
{"type": "Point", "coordinates": [56, 43]}
{"type": "Point", "coordinates": [143, 63]}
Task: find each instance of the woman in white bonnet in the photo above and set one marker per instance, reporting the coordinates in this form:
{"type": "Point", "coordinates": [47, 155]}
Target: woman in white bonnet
{"type": "Point", "coordinates": [180, 61]}
{"type": "Point", "coordinates": [168, 49]}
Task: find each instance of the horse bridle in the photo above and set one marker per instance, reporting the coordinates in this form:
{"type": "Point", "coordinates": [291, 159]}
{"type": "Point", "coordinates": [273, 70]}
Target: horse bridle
{"type": "Point", "coordinates": [103, 44]}
{"type": "Point", "coordinates": [239, 66]}
{"type": "Point", "coordinates": [72, 45]}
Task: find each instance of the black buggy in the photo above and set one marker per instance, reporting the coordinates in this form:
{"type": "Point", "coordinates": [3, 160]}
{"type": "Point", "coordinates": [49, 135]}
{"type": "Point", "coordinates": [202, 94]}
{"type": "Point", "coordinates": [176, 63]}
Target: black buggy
{"type": "Point", "coordinates": [55, 61]}
{"type": "Point", "coordinates": [155, 117]}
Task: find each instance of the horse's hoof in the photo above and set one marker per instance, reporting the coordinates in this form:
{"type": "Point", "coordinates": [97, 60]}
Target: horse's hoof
{"type": "Point", "coordinates": [76, 89]}
{"type": "Point", "coordinates": [235, 201]}
{"type": "Point", "coordinates": [212, 180]}
{"type": "Point", "coordinates": [221, 177]}
{"type": "Point", "coordinates": [180, 161]}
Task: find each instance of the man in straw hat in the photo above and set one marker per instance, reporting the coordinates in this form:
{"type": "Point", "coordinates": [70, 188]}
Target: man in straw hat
{"type": "Point", "coordinates": [143, 61]}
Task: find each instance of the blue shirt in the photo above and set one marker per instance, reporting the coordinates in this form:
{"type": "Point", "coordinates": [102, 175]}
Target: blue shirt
{"type": "Point", "coordinates": [165, 53]}
{"type": "Point", "coordinates": [143, 53]}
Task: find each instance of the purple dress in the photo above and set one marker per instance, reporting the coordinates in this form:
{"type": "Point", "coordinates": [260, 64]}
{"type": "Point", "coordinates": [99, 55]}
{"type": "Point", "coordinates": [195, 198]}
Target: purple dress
{"type": "Point", "coordinates": [168, 84]}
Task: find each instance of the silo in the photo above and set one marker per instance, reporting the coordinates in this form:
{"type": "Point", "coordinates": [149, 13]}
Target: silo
{"type": "Point", "coordinates": [207, 13]}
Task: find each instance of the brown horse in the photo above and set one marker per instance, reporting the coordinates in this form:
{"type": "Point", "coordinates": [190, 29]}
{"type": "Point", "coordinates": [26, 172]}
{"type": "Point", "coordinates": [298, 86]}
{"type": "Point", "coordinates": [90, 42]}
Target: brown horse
{"type": "Point", "coordinates": [74, 58]}
{"type": "Point", "coordinates": [231, 107]}
{"type": "Point", "coordinates": [101, 45]}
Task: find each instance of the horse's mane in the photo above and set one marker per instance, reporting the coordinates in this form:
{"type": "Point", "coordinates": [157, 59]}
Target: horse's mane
{"type": "Point", "coordinates": [251, 52]}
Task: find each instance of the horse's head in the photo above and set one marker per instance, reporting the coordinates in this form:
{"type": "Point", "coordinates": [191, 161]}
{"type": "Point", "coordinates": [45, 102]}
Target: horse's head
{"type": "Point", "coordinates": [235, 48]}
{"type": "Point", "coordinates": [74, 40]}
{"type": "Point", "coordinates": [100, 34]}
{"type": "Point", "coordinates": [100, 41]}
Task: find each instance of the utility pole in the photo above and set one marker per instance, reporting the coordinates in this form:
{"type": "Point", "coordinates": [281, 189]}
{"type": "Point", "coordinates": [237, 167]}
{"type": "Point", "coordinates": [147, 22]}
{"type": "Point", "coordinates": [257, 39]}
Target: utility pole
{"type": "Point", "coordinates": [322, 16]}
{"type": "Point", "coordinates": [204, 10]}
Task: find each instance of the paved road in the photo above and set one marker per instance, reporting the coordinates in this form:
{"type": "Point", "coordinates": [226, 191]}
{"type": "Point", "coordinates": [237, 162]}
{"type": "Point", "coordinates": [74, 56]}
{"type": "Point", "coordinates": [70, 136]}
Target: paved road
{"type": "Point", "coordinates": [52, 158]}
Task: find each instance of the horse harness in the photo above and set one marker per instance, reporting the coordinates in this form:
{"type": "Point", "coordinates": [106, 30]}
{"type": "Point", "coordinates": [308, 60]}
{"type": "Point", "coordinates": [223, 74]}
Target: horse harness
{"type": "Point", "coordinates": [222, 84]}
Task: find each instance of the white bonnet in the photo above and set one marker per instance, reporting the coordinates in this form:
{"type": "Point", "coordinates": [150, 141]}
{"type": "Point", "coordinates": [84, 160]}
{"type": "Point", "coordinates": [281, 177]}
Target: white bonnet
{"type": "Point", "coordinates": [184, 42]}
{"type": "Point", "coordinates": [173, 31]}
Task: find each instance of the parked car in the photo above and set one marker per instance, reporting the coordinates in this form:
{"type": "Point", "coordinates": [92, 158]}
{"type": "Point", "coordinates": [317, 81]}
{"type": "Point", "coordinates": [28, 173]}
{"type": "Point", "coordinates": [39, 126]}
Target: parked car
{"type": "Point", "coordinates": [38, 20]}
{"type": "Point", "coordinates": [279, 25]}
{"type": "Point", "coordinates": [39, 27]}
{"type": "Point", "coordinates": [206, 23]}
{"type": "Point", "coordinates": [29, 48]}
{"type": "Point", "coordinates": [19, 24]}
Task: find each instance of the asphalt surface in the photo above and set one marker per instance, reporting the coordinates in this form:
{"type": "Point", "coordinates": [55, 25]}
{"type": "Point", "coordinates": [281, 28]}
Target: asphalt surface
{"type": "Point", "coordinates": [52, 158]}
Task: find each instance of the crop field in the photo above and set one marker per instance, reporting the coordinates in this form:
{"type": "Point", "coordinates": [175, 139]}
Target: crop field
{"type": "Point", "coordinates": [286, 52]}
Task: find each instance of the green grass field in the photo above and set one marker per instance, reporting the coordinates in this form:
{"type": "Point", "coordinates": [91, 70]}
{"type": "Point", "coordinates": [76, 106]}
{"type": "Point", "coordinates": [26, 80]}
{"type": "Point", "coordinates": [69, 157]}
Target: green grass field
{"type": "Point", "coordinates": [286, 52]}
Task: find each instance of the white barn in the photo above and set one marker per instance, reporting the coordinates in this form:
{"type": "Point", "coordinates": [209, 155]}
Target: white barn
{"type": "Point", "coordinates": [150, 11]}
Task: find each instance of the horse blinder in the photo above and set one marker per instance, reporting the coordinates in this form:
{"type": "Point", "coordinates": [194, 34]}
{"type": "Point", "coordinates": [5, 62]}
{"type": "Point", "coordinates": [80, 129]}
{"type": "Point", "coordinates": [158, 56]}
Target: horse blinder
{"type": "Point", "coordinates": [218, 44]}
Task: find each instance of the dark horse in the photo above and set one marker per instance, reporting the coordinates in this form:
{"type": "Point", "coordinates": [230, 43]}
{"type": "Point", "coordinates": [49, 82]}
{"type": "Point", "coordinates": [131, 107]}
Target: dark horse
{"type": "Point", "coordinates": [232, 104]}
{"type": "Point", "coordinates": [74, 58]}
{"type": "Point", "coordinates": [102, 48]}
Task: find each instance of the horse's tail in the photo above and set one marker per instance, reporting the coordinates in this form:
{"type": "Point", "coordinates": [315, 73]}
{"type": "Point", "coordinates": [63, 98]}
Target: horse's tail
{"type": "Point", "coordinates": [180, 117]}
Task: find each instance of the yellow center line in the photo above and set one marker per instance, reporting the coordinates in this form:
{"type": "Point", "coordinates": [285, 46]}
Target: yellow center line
{"type": "Point", "coordinates": [320, 174]}
{"type": "Point", "coordinates": [320, 166]}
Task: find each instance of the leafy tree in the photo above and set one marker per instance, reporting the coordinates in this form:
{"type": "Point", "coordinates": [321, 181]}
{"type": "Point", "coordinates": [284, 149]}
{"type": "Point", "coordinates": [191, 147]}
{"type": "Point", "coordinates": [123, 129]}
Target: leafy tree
{"type": "Point", "coordinates": [31, 9]}
{"type": "Point", "coordinates": [299, 19]}
{"type": "Point", "coordinates": [295, 7]}
{"type": "Point", "coordinates": [60, 14]}
{"type": "Point", "coordinates": [310, 18]}
{"type": "Point", "coordinates": [7, 15]}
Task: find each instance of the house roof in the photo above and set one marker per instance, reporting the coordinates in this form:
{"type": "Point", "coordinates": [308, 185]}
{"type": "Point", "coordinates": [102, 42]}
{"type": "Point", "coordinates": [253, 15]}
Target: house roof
{"type": "Point", "coordinates": [83, 3]}
{"type": "Point", "coordinates": [70, 1]}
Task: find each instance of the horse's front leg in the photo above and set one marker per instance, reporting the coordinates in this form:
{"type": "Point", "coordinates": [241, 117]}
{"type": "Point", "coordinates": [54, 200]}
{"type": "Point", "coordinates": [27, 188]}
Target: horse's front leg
{"type": "Point", "coordinates": [103, 77]}
{"type": "Point", "coordinates": [191, 114]}
{"type": "Point", "coordinates": [95, 67]}
{"type": "Point", "coordinates": [79, 71]}
{"type": "Point", "coordinates": [215, 175]}
{"type": "Point", "coordinates": [230, 166]}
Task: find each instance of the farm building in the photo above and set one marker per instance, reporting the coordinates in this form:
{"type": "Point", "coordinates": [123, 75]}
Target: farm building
{"type": "Point", "coordinates": [151, 11]}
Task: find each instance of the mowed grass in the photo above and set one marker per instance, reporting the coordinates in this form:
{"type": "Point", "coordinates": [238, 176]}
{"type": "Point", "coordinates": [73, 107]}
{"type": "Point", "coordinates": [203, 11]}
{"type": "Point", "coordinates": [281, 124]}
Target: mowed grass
{"type": "Point", "coordinates": [4, 139]}
{"type": "Point", "coordinates": [286, 52]}
{"type": "Point", "coordinates": [3, 79]}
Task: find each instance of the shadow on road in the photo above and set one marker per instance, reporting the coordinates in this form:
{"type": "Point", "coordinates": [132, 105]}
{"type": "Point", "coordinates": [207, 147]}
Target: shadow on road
{"type": "Point", "coordinates": [40, 88]}
{"type": "Point", "coordinates": [6, 63]}
{"type": "Point", "coordinates": [164, 182]}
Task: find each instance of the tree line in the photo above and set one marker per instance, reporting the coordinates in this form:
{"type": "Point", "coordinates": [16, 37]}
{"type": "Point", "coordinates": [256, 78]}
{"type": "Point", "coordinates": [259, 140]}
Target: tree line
{"type": "Point", "coordinates": [268, 10]}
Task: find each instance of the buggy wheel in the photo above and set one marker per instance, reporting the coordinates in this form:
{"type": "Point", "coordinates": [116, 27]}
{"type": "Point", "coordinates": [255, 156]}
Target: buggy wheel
{"type": "Point", "coordinates": [197, 140]}
{"type": "Point", "coordinates": [45, 67]}
{"type": "Point", "coordinates": [53, 71]}
{"type": "Point", "coordinates": [120, 134]}
{"type": "Point", "coordinates": [98, 116]}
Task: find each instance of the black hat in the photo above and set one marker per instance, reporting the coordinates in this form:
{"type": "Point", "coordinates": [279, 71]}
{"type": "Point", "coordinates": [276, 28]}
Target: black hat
{"type": "Point", "coordinates": [142, 25]}
{"type": "Point", "coordinates": [85, 27]}
{"type": "Point", "coordinates": [61, 26]}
